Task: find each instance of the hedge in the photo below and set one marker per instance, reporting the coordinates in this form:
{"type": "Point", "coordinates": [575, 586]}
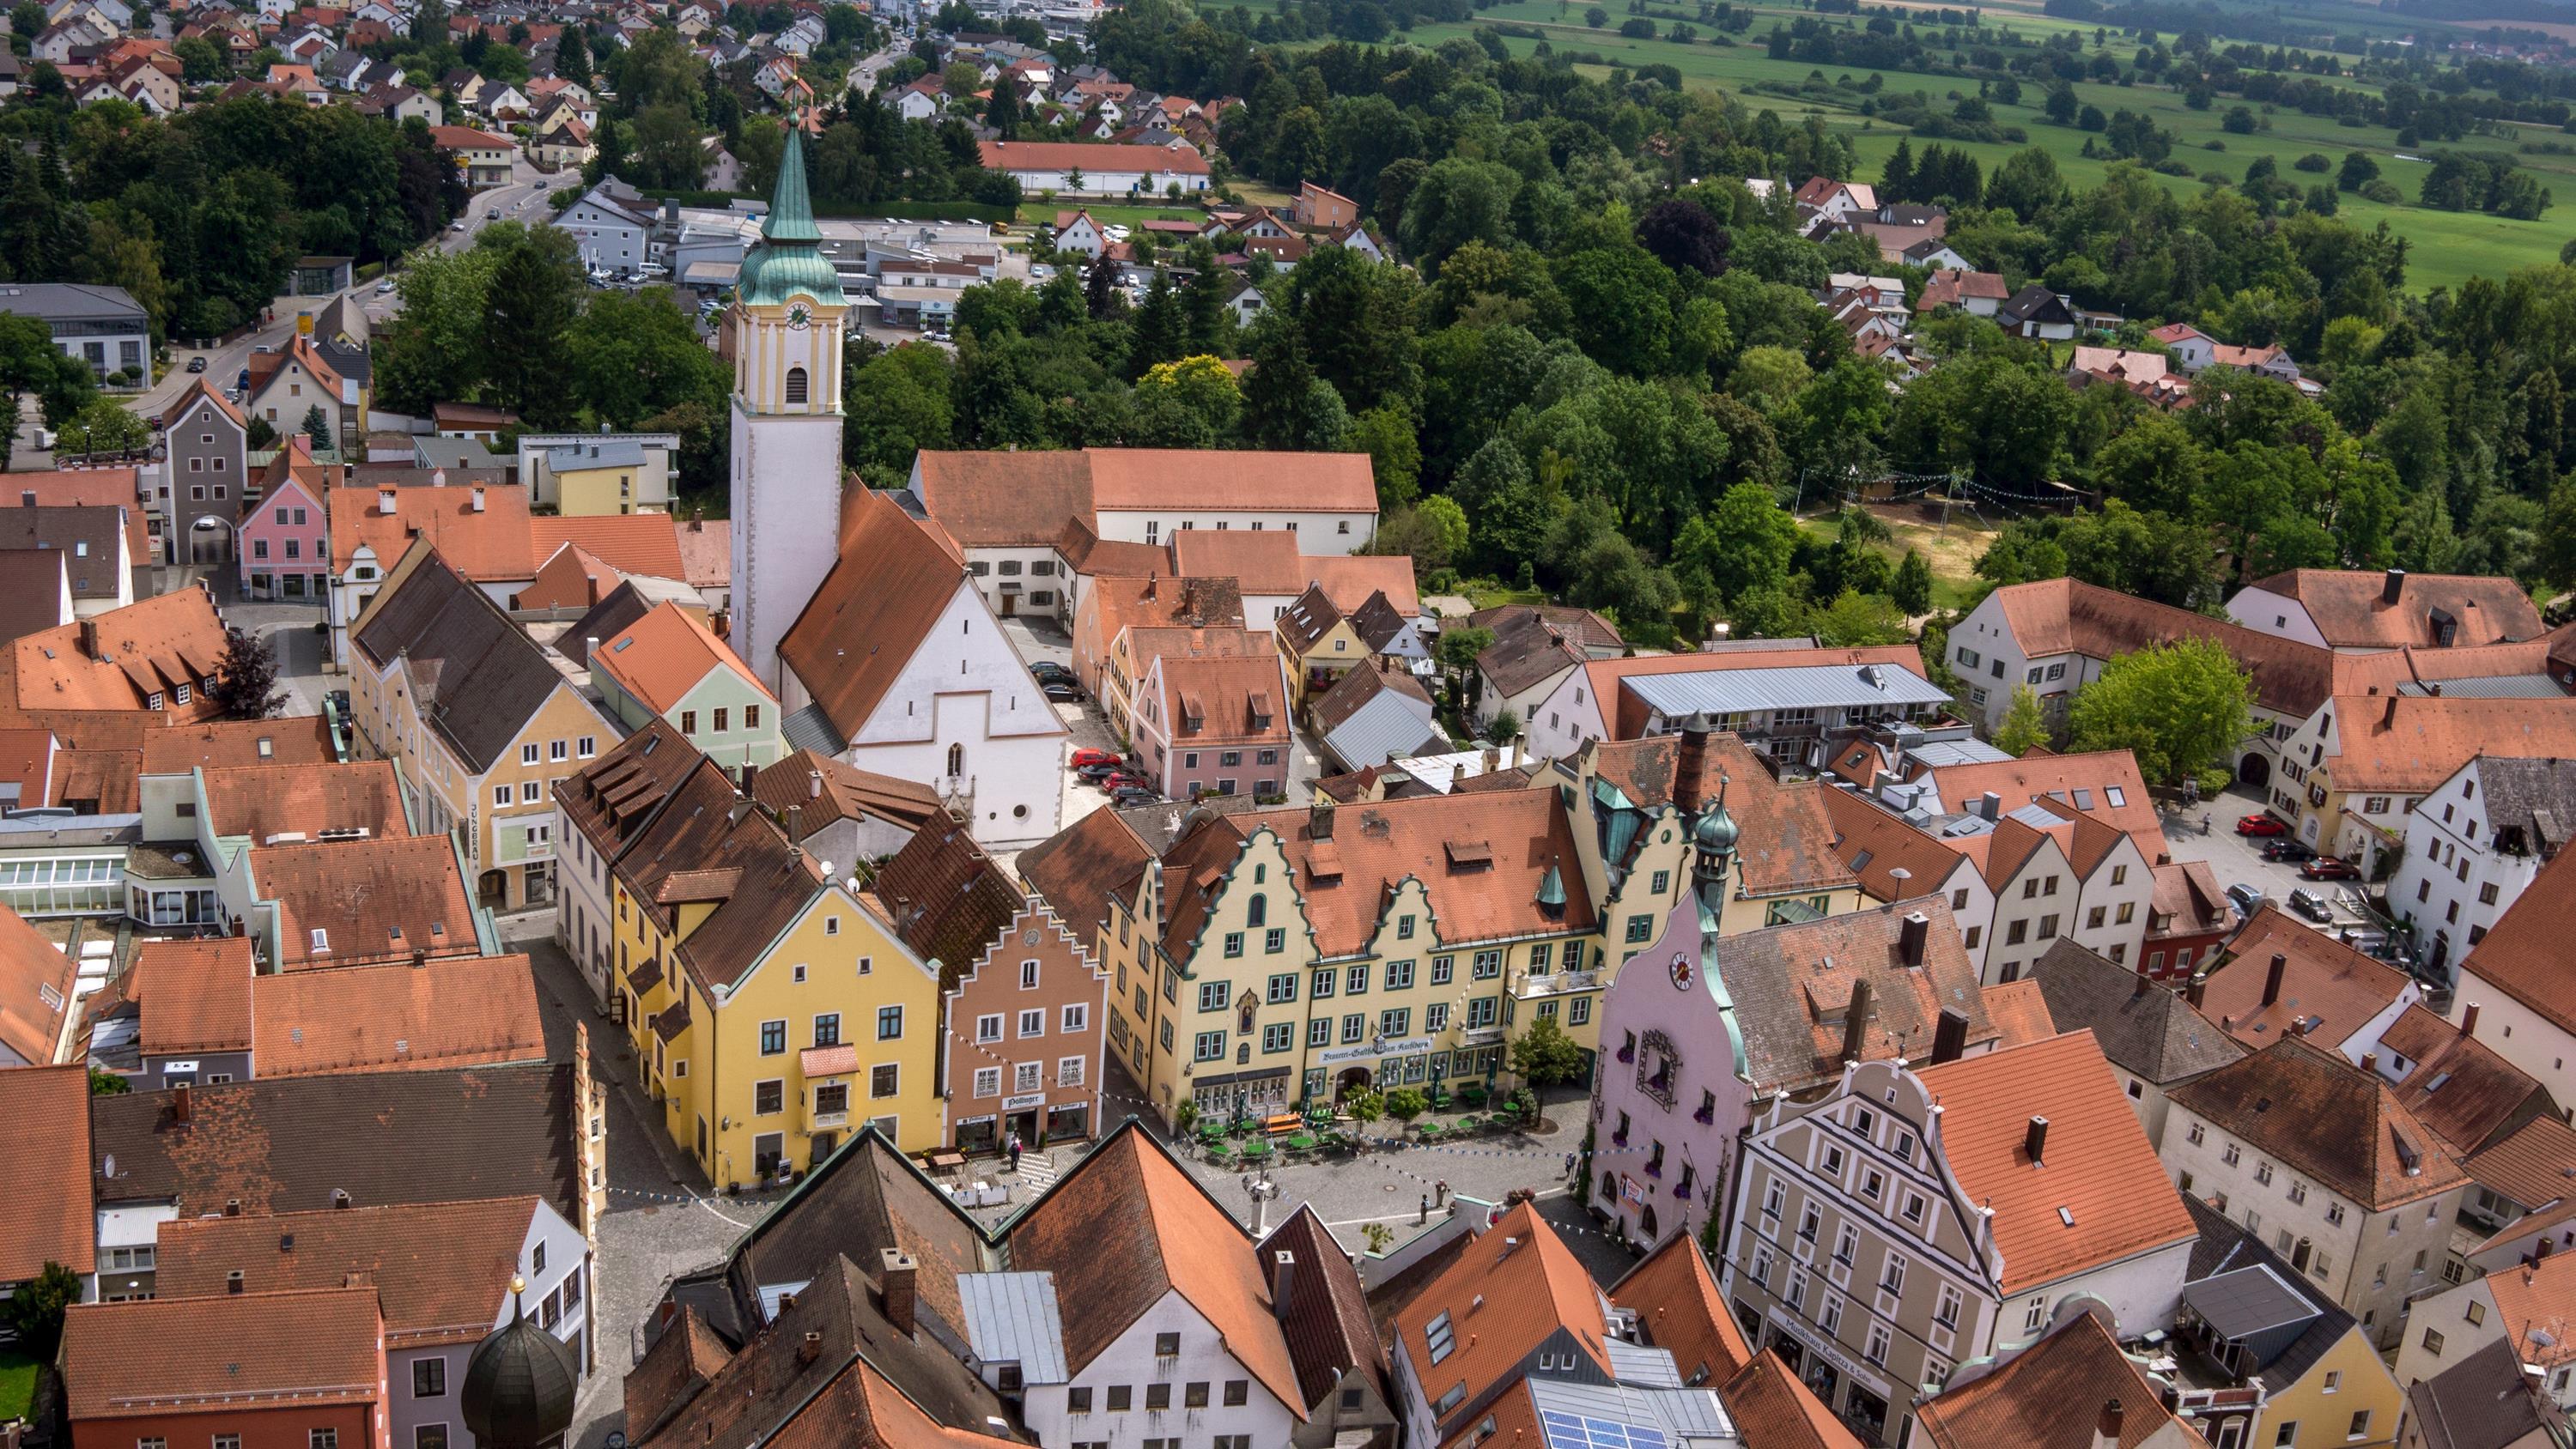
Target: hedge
{"type": "Point", "coordinates": [900, 210]}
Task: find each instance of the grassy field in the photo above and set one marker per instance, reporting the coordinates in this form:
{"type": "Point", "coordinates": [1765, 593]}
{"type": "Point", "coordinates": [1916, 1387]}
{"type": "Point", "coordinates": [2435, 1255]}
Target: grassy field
{"type": "Point", "coordinates": [17, 1384]}
{"type": "Point", "coordinates": [2448, 247]}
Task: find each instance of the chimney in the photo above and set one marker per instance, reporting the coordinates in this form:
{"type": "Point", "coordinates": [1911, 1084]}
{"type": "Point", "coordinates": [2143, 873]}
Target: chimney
{"type": "Point", "coordinates": [1856, 1022]}
{"type": "Point", "coordinates": [1990, 806]}
{"type": "Point", "coordinates": [27, 498]}
{"type": "Point", "coordinates": [896, 1277]}
{"type": "Point", "coordinates": [813, 784]}
{"type": "Point", "coordinates": [2391, 586]}
{"type": "Point", "coordinates": [2106, 1428]}
{"type": "Point", "coordinates": [180, 1106]}
{"type": "Point", "coordinates": [2469, 1020]}
{"type": "Point", "coordinates": [1319, 819]}
{"type": "Point", "coordinates": [233, 1281]}
{"type": "Point", "coordinates": [89, 639]}
{"type": "Point", "coordinates": [2272, 978]}
{"type": "Point", "coordinates": [811, 1348]}
{"type": "Point", "coordinates": [1689, 760]}
{"type": "Point", "coordinates": [2198, 990]}
{"type": "Point", "coordinates": [1913, 937]}
{"type": "Point", "coordinates": [478, 497]}
{"type": "Point", "coordinates": [437, 477]}
{"type": "Point", "coordinates": [2370, 1061]}
{"type": "Point", "coordinates": [1949, 1035]}
{"type": "Point", "coordinates": [2388, 713]}
{"type": "Point", "coordinates": [2034, 1139]}
{"type": "Point", "coordinates": [385, 502]}
{"type": "Point", "coordinates": [1283, 1282]}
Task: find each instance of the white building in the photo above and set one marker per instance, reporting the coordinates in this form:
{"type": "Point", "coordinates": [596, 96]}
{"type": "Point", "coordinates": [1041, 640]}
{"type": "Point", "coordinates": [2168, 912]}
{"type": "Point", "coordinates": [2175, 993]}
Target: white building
{"type": "Point", "coordinates": [2515, 994]}
{"type": "Point", "coordinates": [2474, 845]}
{"type": "Point", "coordinates": [2361, 612]}
{"type": "Point", "coordinates": [1073, 168]}
{"type": "Point", "coordinates": [1780, 695]}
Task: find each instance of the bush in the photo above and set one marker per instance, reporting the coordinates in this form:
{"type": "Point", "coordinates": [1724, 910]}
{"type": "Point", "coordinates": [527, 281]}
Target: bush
{"type": "Point", "coordinates": [2384, 192]}
{"type": "Point", "coordinates": [2239, 121]}
{"type": "Point", "coordinates": [1640, 29]}
{"type": "Point", "coordinates": [2313, 161]}
{"type": "Point", "coordinates": [2213, 144]}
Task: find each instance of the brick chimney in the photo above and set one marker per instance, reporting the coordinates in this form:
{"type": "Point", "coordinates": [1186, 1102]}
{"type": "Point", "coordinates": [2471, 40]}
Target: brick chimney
{"type": "Point", "coordinates": [89, 639]}
{"type": "Point", "coordinates": [2392, 585]}
{"type": "Point", "coordinates": [2198, 991]}
{"type": "Point", "coordinates": [1949, 1035]}
{"type": "Point", "coordinates": [1689, 760]}
{"type": "Point", "coordinates": [2034, 1139]}
{"type": "Point", "coordinates": [2469, 1020]}
{"type": "Point", "coordinates": [1856, 1022]}
{"type": "Point", "coordinates": [2106, 1425]}
{"type": "Point", "coordinates": [896, 1277]}
{"type": "Point", "coordinates": [1913, 937]}
{"type": "Point", "coordinates": [2272, 978]}
{"type": "Point", "coordinates": [181, 1108]}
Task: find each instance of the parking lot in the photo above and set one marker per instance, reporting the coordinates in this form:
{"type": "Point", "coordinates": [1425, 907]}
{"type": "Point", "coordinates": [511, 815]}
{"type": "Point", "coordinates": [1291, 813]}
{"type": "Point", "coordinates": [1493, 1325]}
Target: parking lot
{"type": "Point", "coordinates": [2238, 859]}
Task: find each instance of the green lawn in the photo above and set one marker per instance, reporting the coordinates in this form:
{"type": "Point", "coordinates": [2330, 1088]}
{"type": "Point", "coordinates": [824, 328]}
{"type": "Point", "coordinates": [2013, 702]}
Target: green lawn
{"type": "Point", "coordinates": [1044, 214]}
{"type": "Point", "coordinates": [2448, 247]}
{"type": "Point", "coordinates": [17, 1384]}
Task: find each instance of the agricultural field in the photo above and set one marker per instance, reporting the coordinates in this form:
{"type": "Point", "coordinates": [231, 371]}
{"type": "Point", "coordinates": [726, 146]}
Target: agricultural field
{"type": "Point", "coordinates": [2448, 247]}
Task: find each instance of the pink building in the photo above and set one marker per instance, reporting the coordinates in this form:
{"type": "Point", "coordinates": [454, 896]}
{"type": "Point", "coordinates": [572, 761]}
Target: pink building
{"type": "Point", "coordinates": [285, 538]}
{"type": "Point", "coordinates": [1214, 724]}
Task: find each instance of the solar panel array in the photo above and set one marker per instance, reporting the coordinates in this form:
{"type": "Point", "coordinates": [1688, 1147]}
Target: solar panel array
{"type": "Point", "coordinates": [1576, 1431]}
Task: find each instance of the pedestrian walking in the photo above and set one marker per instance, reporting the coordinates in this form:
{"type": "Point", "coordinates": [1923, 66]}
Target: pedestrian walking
{"type": "Point", "coordinates": [1013, 1147]}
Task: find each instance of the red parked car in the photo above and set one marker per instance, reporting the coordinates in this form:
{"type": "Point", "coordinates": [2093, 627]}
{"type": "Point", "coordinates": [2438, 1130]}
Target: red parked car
{"type": "Point", "coordinates": [1082, 758]}
{"type": "Point", "coordinates": [2326, 867]}
{"type": "Point", "coordinates": [2261, 825]}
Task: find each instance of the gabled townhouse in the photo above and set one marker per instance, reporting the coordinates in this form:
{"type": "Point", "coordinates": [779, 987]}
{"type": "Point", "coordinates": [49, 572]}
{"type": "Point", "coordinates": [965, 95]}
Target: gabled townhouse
{"type": "Point", "coordinates": [2520, 1208]}
{"type": "Point", "coordinates": [2483, 1401]}
{"type": "Point", "coordinates": [1979, 294]}
{"type": "Point", "coordinates": [1534, 648]}
{"type": "Point", "coordinates": [2198, 351]}
{"type": "Point", "coordinates": [284, 543]}
{"type": "Point", "coordinates": [1115, 615]}
{"type": "Point", "coordinates": [897, 666]}
{"type": "Point", "coordinates": [1076, 232]}
{"type": "Point", "coordinates": [484, 724]}
{"type": "Point", "coordinates": [95, 541]}
{"type": "Point", "coordinates": [1022, 1003]}
{"type": "Point", "coordinates": [299, 1144]}
{"type": "Point", "coordinates": [1215, 726]}
{"type": "Point", "coordinates": [1332, 1337]}
{"type": "Point", "coordinates": [1161, 1304]}
{"type": "Point", "coordinates": [610, 230]}
{"type": "Point", "coordinates": [198, 1012]}
{"type": "Point", "coordinates": [141, 494]}
{"type": "Point", "coordinates": [2359, 611]}
{"type": "Point", "coordinates": [1716, 1027]}
{"type": "Point", "coordinates": [445, 1276]}
{"type": "Point", "coordinates": [2265, 1354]}
{"type": "Point", "coordinates": [2320, 1158]}
{"type": "Point", "coordinates": [841, 813]}
{"type": "Point", "coordinates": [37, 986]}
{"type": "Point", "coordinates": [1911, 1222]}
{"type": "Point", "coordinates": [2154, 1039]}
{"type": "Point", "coordinates": [2368, 760]}
{"type": "Point", "coordinates": [1513, 1334]}
{"type": "Point", "coordinates": [1320, 641]}
{"type": "Point", "coordinates": [298, 1366]}
{"type": "Point", "coordinates": [154, 657]}
{"type": "Point", "coordinates": [771, 1009]}
{"type": "Point", "coordinates": [1415, 915]}
{"type": "Point", "coordinates": [1273, 571]}
{"type": "Point", "coordinates": [208, 442]}
{"type": "Point", "coordinates": [481, 533]}
{"type": "Point", "coordinates": [483, 158]}
{"type": "Point", "coordinates": [2473, 1099]}
{"type": "Point", "coordinates": [669, 665]}
{"type": "Point", "coordinates": [2280, 979]}
{"type": "Point", "coordinates": [2073, 1387]}
{"type": "Point", "coordinates": [2473, 845]}
{"type": "Point", "coordinates": [1843, 201]}
{"type": "Point", "coordinates": [2530, 1306]}
{"type": "Point", "coordinates": [285, 388]}
{"type": "Point", "coordinates": [2037, 313]}
{"type": "Point", "coordinates": [602, 812]}
{"type": "Point", "coordinates": [1782, 695]}
{"type": "Point", "coordinates": [2516, 996]}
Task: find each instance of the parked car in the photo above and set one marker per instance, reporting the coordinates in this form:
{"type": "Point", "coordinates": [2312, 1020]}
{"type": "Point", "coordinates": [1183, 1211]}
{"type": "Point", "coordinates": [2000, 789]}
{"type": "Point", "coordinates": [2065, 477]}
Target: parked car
{"type": "Point", "coordinates": [2261, 825]}
{"type": "Point", "coordinates": [1097, 774]}
{"type": "Point", "coordinates": [1127, 799]}
{"type": "Point", "coordinates": [1048, 671]}
{"type": "Point", "coordinates": [2326, 867]}
{"type": "Point", "coordinates": [1085, 758]}
{"type": "Point", "coordinates": [196, 364]}
{"type": "Point", "coordinates": [456, 225]}
{"type": "Point", "coordinates": [1116, 782]}
{"type": "Point", "coordinates": [1059, 691]}
{"type": "Point", "coordinates": [2311, 905]}
{"type": "Point", "coordinates": [2248, 900]}
{"type": "Point", "coordinates": [2290, 850]}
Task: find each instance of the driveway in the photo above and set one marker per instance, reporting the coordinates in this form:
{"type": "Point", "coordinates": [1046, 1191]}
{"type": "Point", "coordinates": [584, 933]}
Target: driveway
{"type": "Point", "coordinates": [2235, 858]}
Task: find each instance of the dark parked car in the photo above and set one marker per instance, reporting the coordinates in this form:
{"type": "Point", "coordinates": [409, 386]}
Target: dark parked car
{"type": "Point", "coordinates": [1098, 773]}
{"type": "Point", "coordinates": [1060, 692]}
{"type": "Point", "coordinates": [2311, 905]}
{"type": "Point", "coordinates": [1049, 669]}
{"type": "Point", "coordinates": [1125, 799]}
{"type": "Point", "coordinates": [2328, 868]}
{"type": "Point", "coordinates": [2289, 850]}
{"type": "Point", "coordinates": [197, 364]}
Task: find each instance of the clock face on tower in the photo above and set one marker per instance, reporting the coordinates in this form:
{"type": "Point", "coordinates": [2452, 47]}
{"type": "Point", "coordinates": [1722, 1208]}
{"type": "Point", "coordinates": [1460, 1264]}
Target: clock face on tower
{"type": "Point", "coordinates": [798, 316]}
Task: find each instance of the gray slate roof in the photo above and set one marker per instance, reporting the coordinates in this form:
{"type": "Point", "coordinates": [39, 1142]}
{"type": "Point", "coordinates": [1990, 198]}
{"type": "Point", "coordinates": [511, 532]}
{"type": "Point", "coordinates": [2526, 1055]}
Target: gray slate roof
{"type": "Point", "coordinates": [2225, 1248]}
{"type": "Point", "coordinates": [2536, 797]}
{"type": "Point", "coordinates": [2480, 1402]}
{"type": "Point", "coordinates": [478, 679]}
{"type": "Point", "coordinates": [2153, 1033]}
{"type": "Point", "coordinates": [69, 301]}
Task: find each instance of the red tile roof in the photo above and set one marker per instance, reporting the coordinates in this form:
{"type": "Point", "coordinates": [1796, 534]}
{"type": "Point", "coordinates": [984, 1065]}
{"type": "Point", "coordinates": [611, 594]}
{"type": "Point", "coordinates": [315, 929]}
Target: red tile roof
{"type": "Point", "coordinates": [874, 608]}
{"type": "Point", "coordinates": [2525, 955]}
{"type": "Point", "coordinates": [149, 647]}
{"type": "Point", "coordinates": [249, 1350]}
{"type": "Point", "coordinates": [662, 656]}
{"type": "Point", "coordinates": [490, 544]}
{"type": "Point", "coordinates": [2350, 608]}
{"type": "Point", "coordinates": [94, 487]}
{"type": "Point", "coordinates": [2410, 744]}
{"type": "Point", "coordinates": [450, 1011]}
{"type": "Point", "coordinates": [2099, 1169]}
{"type": "Point", "coordinates": [376, 900]}
{"type": "Point", "coordinates": [195, 995]}
{"type": "Point", "coordinates": [1680, 1311]}
{"type": "Point", "coordinates": [44, 1137]}
{"type": "Point", "coordinates": [2063, 616]}
{"type": "Point", "coordinates": [2323, 981]}
{"type": "Point", "coordinates": [1511, 1289]}
{"type": "Point", "coordinates": [268, 803]}
{"type": "Point", "coordinates": [35, 990]}
{"type": "Point", "coordinates": [1135, 478]}
{"type": "Point", "coordinates": [2052, 1395]}
{"type": "Point", "coordinates": [1773, 1410]}
{"type": "Point", "coordinates": [2329, 1119]}
{"type": "Point", "coordinates": [441, 1270]}
{"type": "Point", "coordinates": [633, 543]}
{"type": "Point", "coordinates": [1066, 156]}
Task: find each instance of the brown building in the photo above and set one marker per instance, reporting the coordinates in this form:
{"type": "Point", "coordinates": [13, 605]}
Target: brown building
{"type": "Point", "coordinates": [291, 1370]}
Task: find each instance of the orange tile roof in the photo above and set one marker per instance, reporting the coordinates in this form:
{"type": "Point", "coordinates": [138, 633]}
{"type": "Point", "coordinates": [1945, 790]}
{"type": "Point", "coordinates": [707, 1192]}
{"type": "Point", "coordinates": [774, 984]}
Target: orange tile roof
{"type": "Point", "coordinates": [492, 544]}
{"type": "Point", "coordinates": [1678, 1306]}
{"type": "Point", "coordinates": [302, 740]}
{"type": "Point", "coordinates": [320, 1346]}
{"type": "Point", "coordinates": [265, 802]}
{"type": "Point", "coordinates": [2537, 1305]}
{"type": "Point", "coordinates": [151, 647]}
{"type": "Point", "coordinates": [44, 1137]}
{"type": "Point", "coordinates": [1349, 579]}
{"type": "Point", "coordinates": [2322, 980]}
{"type": "Point", "coordinates": [2349, 608]}
{"type": "Point", "coordinates": [1094, 159]}
{"type": "Point", "coordinates": [634, 543]}
{"type": "Point", "coordinates": [440, 1270]}
{"type": "Point", "coordinates": [202, 389]}
{"type": "Point", "coordinates": [2019, 1012]}
{"type": "Point", "coordinates": [2410, 744]}
{"type": "Point", "coordinates": [1862, 826]}
{"type": "Point", "coordinates": [1788, 830]}
{"type": "Point", "coordinates": [1004, 499]}
{"type": "Point", "coordinates": [2457, 1085]}
{"type": "Point", "coordinates": [195, 995]}
{"type": "Point", "coordinates": [2052, 1395]}
{"type": "Point", "coordinates": [2099, 1167]}
{"type": "Point", "coordinates": [1134, 478]}
{"type": "Point", "coordinates": [1774, 1410]}
{"type": "Point", "coordinates": [2531, 1164]}
{"type": "Point", "coordinates": [1129, 1224]}
{"type": "Point", "coordinates": [1226, 696]}
{"type": "Point", "coordinates": [860, 629]}
{"type": "Point", "coordinates": [1267, 562]}
{"type": "Point", "coordinates": [571, 578]}
{"type": "Point", "coordinates": [706, 552]}
{"type": "Point", "coordinates": [2524, 956]}
{"type": "Point", "coordinates": [2040, 775]}
{"type": "Point", "coordinates": [661, 657]}
{"type": "Point", "coordinates": [2063, 616]}
{"type": "Point", "coordinates": [35, 990]}
{"type": "Point", "coordinates": [450, 1011]}
{"type": "Point", "coordinates": [1507, 1292]}
{"type": "Point", "coordinates": [375, 900]}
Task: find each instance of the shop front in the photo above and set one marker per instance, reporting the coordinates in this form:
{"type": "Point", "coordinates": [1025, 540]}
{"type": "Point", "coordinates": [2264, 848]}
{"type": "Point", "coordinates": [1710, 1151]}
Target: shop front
{"type": "Point", "coordinates": [1857, 1393]}
{"type": "Point", "coordinates": [979, 1134]}
{"type": "Point", "coordinates": [1243, 1096]}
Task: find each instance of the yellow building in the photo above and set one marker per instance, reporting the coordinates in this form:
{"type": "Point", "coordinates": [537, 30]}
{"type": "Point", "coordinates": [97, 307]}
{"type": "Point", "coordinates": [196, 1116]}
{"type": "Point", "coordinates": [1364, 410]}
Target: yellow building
{"type": "Point", "coordinates": [772, 1012]}
{"type": "Point", "coordinates": [484, 725]}
{"type": "Point", "coordinates": [1323, 643]}
{"type": "Point", "coordinates": [2298, 1370]}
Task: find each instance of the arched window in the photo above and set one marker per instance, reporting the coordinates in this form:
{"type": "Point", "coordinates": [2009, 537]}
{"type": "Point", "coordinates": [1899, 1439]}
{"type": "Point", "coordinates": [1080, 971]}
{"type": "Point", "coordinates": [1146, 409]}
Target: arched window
{"type": "Point", "coordinates": [795, 386]}
{"type": "Point", "coordinates": [1259, 914]}
{"type": "Point", "coordinates": [957, 759]}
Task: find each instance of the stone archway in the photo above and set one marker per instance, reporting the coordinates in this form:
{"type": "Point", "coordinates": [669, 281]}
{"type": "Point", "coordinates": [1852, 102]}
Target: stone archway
{"type": "Point", "coordinates": [2254, 770]}
{"type": "Point", "coordinates": [210, 540]}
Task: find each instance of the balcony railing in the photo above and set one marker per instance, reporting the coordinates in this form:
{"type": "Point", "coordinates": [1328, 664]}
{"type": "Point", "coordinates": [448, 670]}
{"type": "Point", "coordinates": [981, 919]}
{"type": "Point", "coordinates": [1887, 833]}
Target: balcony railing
{"type": "Point", "coordinates": [828, 1121]}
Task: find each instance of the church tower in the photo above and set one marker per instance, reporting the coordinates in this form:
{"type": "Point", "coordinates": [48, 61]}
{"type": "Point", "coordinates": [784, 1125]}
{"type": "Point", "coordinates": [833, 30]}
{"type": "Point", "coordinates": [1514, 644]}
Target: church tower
{"type": "Point", "coordinates": [786, 321]}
